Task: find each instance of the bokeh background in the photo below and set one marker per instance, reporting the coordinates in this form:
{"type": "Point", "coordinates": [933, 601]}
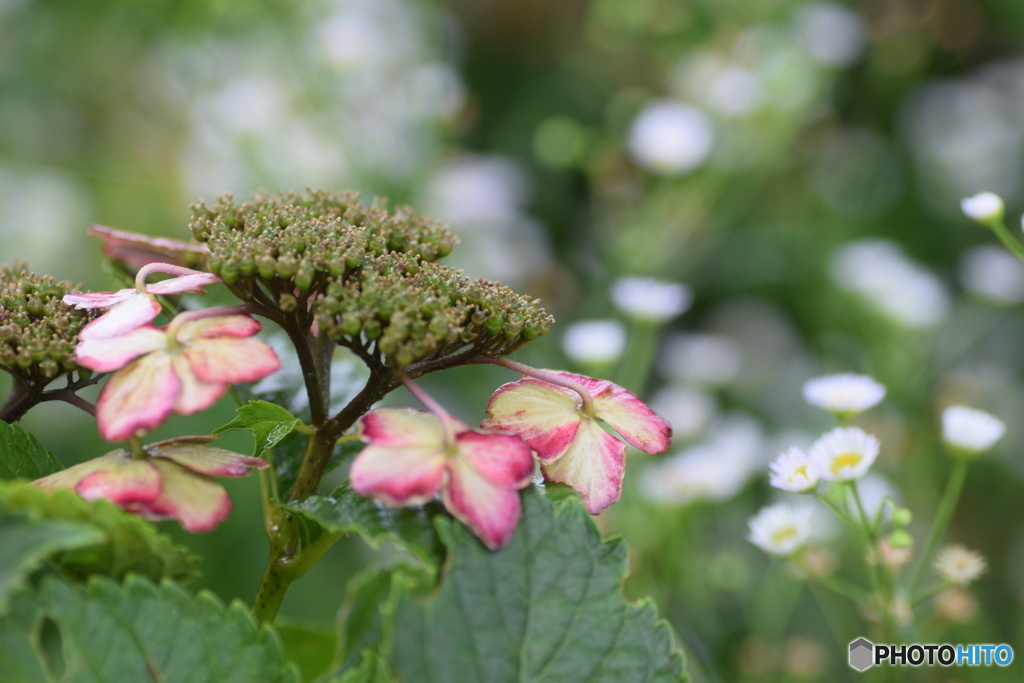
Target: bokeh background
{"type": "Point", "coordinates": [797, 165]}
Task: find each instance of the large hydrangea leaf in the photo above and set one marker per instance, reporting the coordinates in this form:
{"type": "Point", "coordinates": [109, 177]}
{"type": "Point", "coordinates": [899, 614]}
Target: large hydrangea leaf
{"type": "Point", "coordinates": [138, 631]}
{"type": "Point", "coordinates": [125, 543]}
{"type": "Point", "coordinates": [22, 457]}
{"type": "Point", "coordinates": [547, 607]}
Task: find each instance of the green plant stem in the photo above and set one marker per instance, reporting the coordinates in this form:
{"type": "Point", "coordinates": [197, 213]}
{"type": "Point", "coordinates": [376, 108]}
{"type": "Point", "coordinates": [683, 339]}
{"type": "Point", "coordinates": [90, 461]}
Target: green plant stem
{"type": "Point", "coordinates": [950, 497]}
{"type": "Point", "coordinates": [842, 516]}
{"type": "Point", "coordinates": [1008, 240]}
{"type": "Point", "coordinates": [840, 587]}
{"type": "Point", "coordinates": [879, 575]}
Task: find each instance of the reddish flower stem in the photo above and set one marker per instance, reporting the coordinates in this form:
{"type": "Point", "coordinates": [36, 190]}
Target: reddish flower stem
{"type": "Point", "coordinates": [549, 377]}
{"type": "Point", "coordinates": [165, 268]}
{"type": "Point", "coordinates": [435, 408]}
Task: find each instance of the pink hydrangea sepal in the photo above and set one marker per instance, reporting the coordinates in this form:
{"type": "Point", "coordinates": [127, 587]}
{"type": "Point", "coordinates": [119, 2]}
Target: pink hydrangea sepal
{"type": "Point", "coordinates": [196, 454]}
{"type": "Point", "coordinates": [491, 511]}
{"type": "Point", "coordinates": [594, 465]}
{"type": "Point", "coordinates": [238, 325]}
{"type": "Point", "coordinates": [138, 398]}
{"type": "Point", "coordinates": [197, 502]}
{"type": "Point", "coordinates": [132, 482]}
{"type": "Point", "coordinates": [403, 427]}
{"type": "Point", "coordinates": [106, 355]}
{"type": "Point", "coordinates": [643, 428]}
{"type": "Point", "coordinates": [504, 460]}
{"type": "Point", "coordinates": [134, 311]}
{"type": "Point", "coordinates": [192, 283]}
{"type": "Point", "coordinates": [230, 360]}
{"type": "Point", "coordinates": [543, 415]}
{"type": "Point", "coordinates": [399, 475]}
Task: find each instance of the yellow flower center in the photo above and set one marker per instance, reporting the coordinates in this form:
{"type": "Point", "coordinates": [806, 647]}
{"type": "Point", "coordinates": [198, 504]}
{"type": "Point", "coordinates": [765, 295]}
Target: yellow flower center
{"type": "Point", "coordinates": [799, 472]}
{"type": "Point", "coordinates": [784, 534]}
{"type": "Point", "coordinates": [845, 460]}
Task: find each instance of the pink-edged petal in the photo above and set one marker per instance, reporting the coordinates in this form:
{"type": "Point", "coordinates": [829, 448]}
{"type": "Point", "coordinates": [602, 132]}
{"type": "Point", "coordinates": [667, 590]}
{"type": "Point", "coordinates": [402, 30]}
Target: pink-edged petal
{"type": "Point", "coordinates": [594, 465]}
{"type": "Point", "coordinates": [107, 355]}
{"type": "Point", "coordinates": [404, 427]}
{"type": "Point", "coordinates": [197, 501]}
{"type": "Point", "coordinates": [68, 478]}
{"type": "Point", "coordinates": [545, 416]}
{"type": "Point", "coordinates": [229, 360]}
{"type": "Point", "coordinates": [398, 476]}
{"type": "Point", "coordinates": [218, 326]}
{"type": "Point", "coordinates": [136, 250]}
{"type": "Point", "coordinates": [622, 409]}
{"type": "Point", "coordinates": [132, 313]}
{"type": "Point", "coordinates": [633, 420]}
{"type": "Point", "coordinates": [195, 395]}
{"type": "Point", "coordinates": [125, 483]}
{"type": "Point", "coordinates": [98, 299]}
{"type": "Point", "coordinates": [198, 457]}
{"type": "Point", "coordinates": [492, 512]}
{"type": "Point", "coordinates": [138, 398]}
{"type": "Point", "coordinates": [503, 459]}
{"type": "Point", "coordinates": [183, 283]}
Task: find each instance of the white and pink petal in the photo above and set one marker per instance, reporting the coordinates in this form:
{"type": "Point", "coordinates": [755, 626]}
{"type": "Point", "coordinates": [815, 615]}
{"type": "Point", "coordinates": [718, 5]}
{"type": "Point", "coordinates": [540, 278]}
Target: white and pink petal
{"type": "Point", "coordinates": [543, 415]}
{"type": "Point", "coordinates": [502, 459]}
{"type": "Point", "coordinates": [198, 502]}
{"type": "Point", "coordinates": [594, 465]}
{"type": "Point", "coordinates": [398, 475]}
{"type": "Point", "coordinates": [193, 282]}
{"type": "Point", "coordinates": [210, 460]}
{"type": "Point", "coordinates": [194, 395]}
{"type": "Point", "coordinates": [137, 398]}
{"type": "Point", "coordinates": [633, 420]}
{"type": "Point", "coordinates": [98, 299]}
{"type": "Point", "coordinates": [126, 482]}
{"type": "Point", "coordinates": [229, 360]}
{"type": "Point", "coordinates": [404, 427]}
{"type": "Point", "coordinates": [133, 312]}
{"type": "Point", "coordinates": [218, 326]}
{"type": "Point", "coordinates": [492, 512]}
{"type": "Point", "coordinates": [107, 355]}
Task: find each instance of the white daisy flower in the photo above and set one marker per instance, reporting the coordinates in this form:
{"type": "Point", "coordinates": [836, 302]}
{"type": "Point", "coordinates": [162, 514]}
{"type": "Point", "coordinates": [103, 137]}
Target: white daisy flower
{"type": "Point", "coordinates": [594, 341]}
{"type": "Point", "coordinates": [958, 565]}
{"type": "Point", "coordinates": [650, 299]}
{"type": "Point", "coordinates": [794, 471]}
{"type": "Point", "coordinates": [845, 453]}
{"type": "Point", "coordinates": [970, 430]}
{"type": "Point", "coordinates": [982, 207]}
{"type": "Point", "coordinates": [781, 529]}
{"type": "Point", "coordinates": [844, 394]}
{"type": "Point", "coordinates": [670, 138]}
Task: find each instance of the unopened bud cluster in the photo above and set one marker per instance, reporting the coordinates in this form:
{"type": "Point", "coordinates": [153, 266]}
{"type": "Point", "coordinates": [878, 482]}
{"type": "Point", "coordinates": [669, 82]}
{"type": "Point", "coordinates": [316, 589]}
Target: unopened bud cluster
{"type": "Point", "coordinates": [291, 241]}
{"type": "Point", "coordinates": [414, 310]}
{"type": "Point", "coordinates": [38, 332]}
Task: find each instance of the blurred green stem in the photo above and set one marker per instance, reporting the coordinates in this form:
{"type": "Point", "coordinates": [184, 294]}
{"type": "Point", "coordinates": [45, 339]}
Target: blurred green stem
{"type": "Point", "coordinates": [1008, 240]}
{"type": "Point", "coordinates": [635, 366]}
{"type": "Point", "coordinates": [877, 572]}
{"type": "Point", "coordinates": [954, 487]}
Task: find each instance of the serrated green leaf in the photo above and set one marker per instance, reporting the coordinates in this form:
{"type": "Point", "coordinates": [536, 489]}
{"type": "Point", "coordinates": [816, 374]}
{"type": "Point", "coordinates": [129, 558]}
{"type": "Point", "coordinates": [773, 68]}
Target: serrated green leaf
{"type": "Point", "coordinates": [22, 457]}
{"type": "Point", "coordinates": [345, 512]}
{"type": "Point", "coordinates": [139, 631]}
{"type": "Point", "coordinates": [25, 543]}
{"type": "Point", "coordinates": [547, 607]}
{"type": "Point", "coordinates": [128, 543]}
{"type": "Point", "coordinates": [269, 424]}
{"type": "Point", "coordinates": [311, 649]}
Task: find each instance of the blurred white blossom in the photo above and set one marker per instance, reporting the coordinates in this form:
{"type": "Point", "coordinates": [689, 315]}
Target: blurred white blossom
{"type": "Point", "coordinates": [781, 529]}
{"type": "Point", "coordinates": [795, 471]}
{"type": "Point", "coordinates": [831, 33]}
{"type": "Point", "coordinates": [844, 394]}
{"type": "Point", "coordinates": [689, 411]}
{"type": "Point", "coordinates": [594, 341]}
{"type": "Point", "coordinates": [646, 298]}
{"type": "Point", "coordinates": [983, 206]}
{"type": "Point", "coordinates": [705, 359]}
{"type": "Point", "coordinates": [971, 430]}
{"type": "Point", "coordinates": [993, 273]}
{"type": "Point", "coordinates": [670, 138]}
{"type": "Point", "coordinates": [845, 453]}
{"type": "Point", "coordinates": [959, 565]}
{"type": "Point", "coordinates": [881, 273]}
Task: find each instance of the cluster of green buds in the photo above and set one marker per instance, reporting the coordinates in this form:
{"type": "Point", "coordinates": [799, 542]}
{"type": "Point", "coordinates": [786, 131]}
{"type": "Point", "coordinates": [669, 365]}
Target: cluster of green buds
{"type": "Point", "coordinates": [294, 241]}
{"type": "Point", "coordinates": [38, 332]}
{"type": "Point", "coordinates": [417, 310]}
{"type": "Point", "coordinates": [366, 276]}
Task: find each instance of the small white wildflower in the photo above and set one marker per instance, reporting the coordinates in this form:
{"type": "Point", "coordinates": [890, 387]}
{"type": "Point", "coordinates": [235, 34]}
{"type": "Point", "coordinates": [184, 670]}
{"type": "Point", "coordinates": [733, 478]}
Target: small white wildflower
{"type": "Point", "coordinates": [844, 394]}
{"type": "Point", "coordinates": [781, 529]}
{"type": "Point", "coordinates": [970, 430]}
{"type": "Point", "coordinates": [649, 299]}
{"type": "Point", "coordinates": [794, 471]}
{"type": "Point", "coordinates": [670, 138]}
{"type": "Point", "coordinates": [958, 565]}
{"type": "Point", "coordinates": [594, 341]}
{"type": "Point", "coordinates": [983, 207]}
{"type": "Point", "coordinates": [993, 273]}
{"type": "Point", "coordinates": [845, 453]}
{"type": "Point", "coordinates": [832, 34]}
{"type": "Point", "coordinates": [689, 411]}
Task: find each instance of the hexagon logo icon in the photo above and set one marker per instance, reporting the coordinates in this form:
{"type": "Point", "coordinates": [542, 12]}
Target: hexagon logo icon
{"type": "Point", "coordinates": [862, 654]}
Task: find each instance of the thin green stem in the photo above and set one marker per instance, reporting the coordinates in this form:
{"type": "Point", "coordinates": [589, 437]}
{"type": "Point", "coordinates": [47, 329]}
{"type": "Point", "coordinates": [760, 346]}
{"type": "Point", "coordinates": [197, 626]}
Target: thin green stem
{"type": "Point", "coordinates": [843, 517]}
{"type": "Point", "coordinates": [931, 594]}
{"type": "Point", "coordinates": [636, 363]}
{"type": "Point", "coordinates": [950, 498]}
{"type": "Point", "coordinates": [1004, 235]}
{"type": "Point", "coordinates": [879, 575]}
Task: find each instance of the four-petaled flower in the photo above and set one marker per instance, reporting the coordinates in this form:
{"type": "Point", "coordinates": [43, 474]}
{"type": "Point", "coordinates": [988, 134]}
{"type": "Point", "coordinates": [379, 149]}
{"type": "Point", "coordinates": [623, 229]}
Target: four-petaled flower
{"type": "Point", "coordinates": [136, 306]}
{"type": "Point", "coordinates": [183, 368]}
{"type": "Point", "coordinates": [571, 446]}
{"type": "Point", "coordinates": [411, 457]}
{"type": "Point", "coordinates": [169, 480]}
